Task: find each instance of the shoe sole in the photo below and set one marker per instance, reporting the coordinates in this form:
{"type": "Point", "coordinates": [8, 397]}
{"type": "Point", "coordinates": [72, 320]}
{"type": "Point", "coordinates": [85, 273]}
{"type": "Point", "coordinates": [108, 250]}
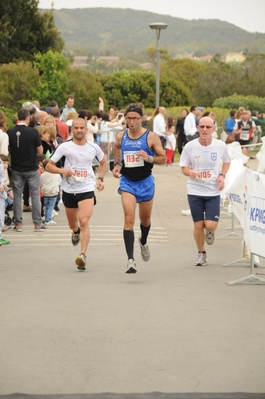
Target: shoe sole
{"type": "Point", "coordinates": [200, 264]}
{"type": "Point", "coordinates": [132, 270]}
{"type": "Point", "coordinates": [75, 243]}
{"type": "Point", "coordinates": [81, 265]}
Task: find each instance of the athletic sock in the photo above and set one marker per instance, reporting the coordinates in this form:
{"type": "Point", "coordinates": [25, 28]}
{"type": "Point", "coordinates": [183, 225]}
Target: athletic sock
{"type": "Point", "coordinates": [144, 233]}
{"type": "Point", "coordinates": [128, 236]}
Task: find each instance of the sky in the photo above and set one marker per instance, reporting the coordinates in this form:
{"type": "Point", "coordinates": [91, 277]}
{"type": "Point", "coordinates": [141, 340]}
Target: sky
{"type": "Point", "coordinates": [246, 15]}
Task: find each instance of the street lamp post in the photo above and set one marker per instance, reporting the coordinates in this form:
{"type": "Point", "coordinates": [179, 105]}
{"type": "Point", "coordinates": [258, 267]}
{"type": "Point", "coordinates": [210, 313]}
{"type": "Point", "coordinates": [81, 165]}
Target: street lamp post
{"type": "Point", "coordinates": [158, 26]}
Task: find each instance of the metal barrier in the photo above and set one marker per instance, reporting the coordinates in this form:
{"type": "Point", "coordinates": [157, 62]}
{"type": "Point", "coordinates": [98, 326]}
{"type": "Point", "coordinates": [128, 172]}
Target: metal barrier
{"type": "Point", "coordinates": [108, 146]}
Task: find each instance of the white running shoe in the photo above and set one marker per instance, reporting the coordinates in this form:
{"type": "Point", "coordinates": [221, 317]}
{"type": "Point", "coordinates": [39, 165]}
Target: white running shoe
{"type": "Point", "coordinates": [201, 259]}
{"type": "Point", "coordinates": [145, 252]}
{"type": "Point", "coordinates": [131, 267]}
{"type": "Point", "coordinates": [186, 213]}
{"type": "Point", "coordinates": [51, 223]}
{"type": "Point", "coordinates": [209, 237]}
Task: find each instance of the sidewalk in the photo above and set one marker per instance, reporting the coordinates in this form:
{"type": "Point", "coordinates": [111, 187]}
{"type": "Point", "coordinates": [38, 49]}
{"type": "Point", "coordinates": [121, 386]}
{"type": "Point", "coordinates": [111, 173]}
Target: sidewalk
{"type": "Point", "coordinates": [172, 330]}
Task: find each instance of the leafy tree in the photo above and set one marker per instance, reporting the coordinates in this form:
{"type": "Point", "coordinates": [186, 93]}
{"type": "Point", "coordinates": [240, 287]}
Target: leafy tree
{"type": "Point", "coordinates": [187, 72]}
{"type": "Point", "coordinates": [217, 79]}
{"type": "Point", "coordinates": [25, 31]}
{"type": "Point", "coordinates": [151, 53]}
{"type": "Point", "coordinates": [235, 101]}
{"type": "Point", "coordinates": [122, 88]}
{"type": "Point", "coordinates": [251, 76]}
{"type": "Point", "coordinates": [52, 69]}
{"type": "Point", "coordinates": [85, 87]}
{"type": "Point", "coordinates": [17, 82]}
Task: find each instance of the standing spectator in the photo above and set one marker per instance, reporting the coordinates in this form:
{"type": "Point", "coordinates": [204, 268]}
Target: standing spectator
{"type": "Point", "coordinates": [62, 128]}
{"type": "Point", "coordinates": [229, 126]}
{"type": "Point", "coordinates": [50, 121]}
{"type": "Point", "coordinates": [159, 124]}
{"type": "Point", "coordinates": [92, 126]}
{"type": "Point", "coordinates": [33, 112]}
{"type": "Point", "coordinates": [79, 183]}
{"type": "Point", "coordinates": [201, 161]}
{"type": "Point", "coordinates": [50, 186]}
{"type": "Point", "coordinates": [259, 122]}
{"type": "Point", "coordinates": [107, 129]}
{"type": "Point", "coordinates": [136, 152]}
{"type": "Point", "coordinates": [24, 145]}
{"type": "Point", "coordinates": [69, 107]}
{"type": "Point", "coordinates": [245, 129]}
{"type": "Point", "coordinates": [180, 133]}
{"type": "Point", "coordinates": [45, 133]}
{"type": "Point", "coordinates": [170, 144]}
{"type": "Point", "coordinates": [41, 115]}
{"type": "Point", "coordinates": [190, 126]}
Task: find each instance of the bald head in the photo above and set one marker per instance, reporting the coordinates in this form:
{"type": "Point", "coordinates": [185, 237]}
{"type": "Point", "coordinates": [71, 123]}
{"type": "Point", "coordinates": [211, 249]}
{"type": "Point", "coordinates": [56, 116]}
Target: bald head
{"type": "Point", "coordinates": [206, 121]}
{"type": "Point", "coordinates": [41, 116]}
{"type": "Point", "coordinates": [78, 121]}
{"type": "Point", "coordinates": [162, 110]}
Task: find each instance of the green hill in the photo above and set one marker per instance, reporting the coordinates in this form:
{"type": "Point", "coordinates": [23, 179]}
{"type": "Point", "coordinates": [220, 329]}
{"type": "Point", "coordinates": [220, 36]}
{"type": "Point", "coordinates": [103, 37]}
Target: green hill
{"type": "Point", "coordinates": [112, 31]}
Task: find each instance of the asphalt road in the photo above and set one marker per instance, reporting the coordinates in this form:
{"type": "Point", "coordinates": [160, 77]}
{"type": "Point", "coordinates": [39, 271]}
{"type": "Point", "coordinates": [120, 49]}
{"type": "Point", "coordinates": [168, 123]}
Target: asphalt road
{"type": "Point", "coordinates": [172, 328]}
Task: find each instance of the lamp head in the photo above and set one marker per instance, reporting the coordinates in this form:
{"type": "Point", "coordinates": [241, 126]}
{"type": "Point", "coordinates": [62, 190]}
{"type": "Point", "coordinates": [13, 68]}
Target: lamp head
{"type": "Point", "coordinates": [158, 25]}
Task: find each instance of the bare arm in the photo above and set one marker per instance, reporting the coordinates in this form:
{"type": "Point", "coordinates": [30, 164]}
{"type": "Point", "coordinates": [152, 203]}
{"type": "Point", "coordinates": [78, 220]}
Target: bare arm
{"type": "Point", "coordinates": [192, 173]}
{"type": "Point", "coordinates": [101, 173]}
{"type": "Point", "coordinates": [52, 168]}
{"type": "Point", "coordinates": [39, 150]}
{"type": "Point", "coordinates": [155, 144]}
{"type": "Point", "coordinates": [221, 179]}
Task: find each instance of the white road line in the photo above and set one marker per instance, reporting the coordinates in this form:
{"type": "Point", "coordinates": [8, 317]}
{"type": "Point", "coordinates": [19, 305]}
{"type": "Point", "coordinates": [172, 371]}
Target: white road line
{"type": "Point", "coordinates": [61, 236]}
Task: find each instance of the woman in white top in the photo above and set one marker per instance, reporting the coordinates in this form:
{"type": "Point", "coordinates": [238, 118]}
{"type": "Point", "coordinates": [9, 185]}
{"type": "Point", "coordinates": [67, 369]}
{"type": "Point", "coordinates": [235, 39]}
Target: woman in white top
{"type": "Point", "coordinates": [92, 125]}
{"type": "Point", "coordinates": [108, 129]}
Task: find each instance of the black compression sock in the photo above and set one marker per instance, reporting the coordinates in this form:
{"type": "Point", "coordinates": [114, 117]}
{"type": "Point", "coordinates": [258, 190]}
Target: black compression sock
{"type": "Point", "coordinates": [128, 236]}
{"type": "Point", "coordinates": [144, 233]}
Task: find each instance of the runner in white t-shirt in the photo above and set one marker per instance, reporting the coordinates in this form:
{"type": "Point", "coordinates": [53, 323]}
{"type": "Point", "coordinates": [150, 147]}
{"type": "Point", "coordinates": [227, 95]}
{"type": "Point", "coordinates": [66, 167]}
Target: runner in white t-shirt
{"type": "Point", "coordinates": [79, 183]}
{"type": "Point", "coordinates": [205, 160]}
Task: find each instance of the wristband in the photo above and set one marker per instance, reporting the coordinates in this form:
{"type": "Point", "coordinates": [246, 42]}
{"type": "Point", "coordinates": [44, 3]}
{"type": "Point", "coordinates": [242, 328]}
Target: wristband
{"type": "Point", "coordinates": [150, 159]}
{"type": "Point", "coordinates": [117, 163]}
{"type": "Point", "coordinates": [221, 174]}
{"type": "Point", "coordinates": [101, 178]}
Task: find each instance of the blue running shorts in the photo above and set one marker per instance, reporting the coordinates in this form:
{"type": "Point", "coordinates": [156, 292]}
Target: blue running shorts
{"type": "Point", "coordinates": [143, 190]}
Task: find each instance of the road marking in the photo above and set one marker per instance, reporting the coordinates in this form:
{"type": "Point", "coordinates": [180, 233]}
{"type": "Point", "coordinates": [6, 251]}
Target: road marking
{"type": "Point", "coordinates": [61, 235]}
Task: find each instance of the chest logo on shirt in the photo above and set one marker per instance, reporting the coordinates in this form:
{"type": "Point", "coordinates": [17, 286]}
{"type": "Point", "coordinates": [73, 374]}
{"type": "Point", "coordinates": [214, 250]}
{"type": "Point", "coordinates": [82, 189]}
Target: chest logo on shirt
{"type": "Point", "coordinates": [197, 158]}
{"type": "Point", "coordinates": [214, 156]}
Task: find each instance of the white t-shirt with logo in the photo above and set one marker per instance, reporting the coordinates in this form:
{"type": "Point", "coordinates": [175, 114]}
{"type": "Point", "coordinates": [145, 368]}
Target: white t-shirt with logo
{"type": "Point", "coordinates": [79, 158]}
{"type": "Point", "coordinates": [207, 160]}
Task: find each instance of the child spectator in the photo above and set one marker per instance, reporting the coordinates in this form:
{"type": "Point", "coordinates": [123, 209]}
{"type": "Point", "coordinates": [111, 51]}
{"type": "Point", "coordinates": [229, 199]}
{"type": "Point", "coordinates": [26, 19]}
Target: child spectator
{"type": "Point", "coordinates": [3, 195]}
{"type": "Point", "coordinates": [50, 184]}
{"type": "Point", "coordinates": [170, 144]}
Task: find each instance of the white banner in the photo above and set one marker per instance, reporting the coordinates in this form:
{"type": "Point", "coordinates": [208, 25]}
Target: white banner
{"type": "Point", "coordinates": [236, 190]}
{"type": "Point", "coordinates": [254, 227]}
